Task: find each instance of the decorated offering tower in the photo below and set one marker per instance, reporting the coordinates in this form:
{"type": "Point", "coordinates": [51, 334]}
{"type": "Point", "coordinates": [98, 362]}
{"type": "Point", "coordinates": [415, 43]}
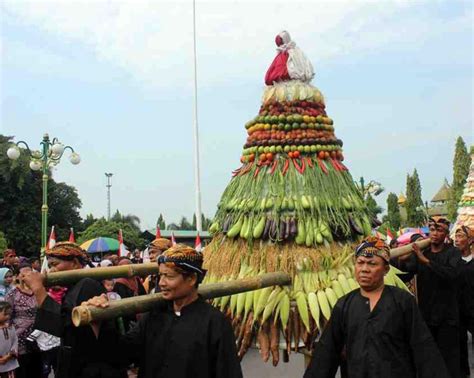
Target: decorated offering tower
{"type": "Point", "coordinates": [466, 204]}
{"type": "Point", "coordinates": [291, 206]}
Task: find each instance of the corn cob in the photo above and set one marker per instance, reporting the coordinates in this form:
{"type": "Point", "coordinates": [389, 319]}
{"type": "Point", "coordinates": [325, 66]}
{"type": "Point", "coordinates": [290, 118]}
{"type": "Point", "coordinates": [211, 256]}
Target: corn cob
{"type": "Point", "coordinates": [324, 304]}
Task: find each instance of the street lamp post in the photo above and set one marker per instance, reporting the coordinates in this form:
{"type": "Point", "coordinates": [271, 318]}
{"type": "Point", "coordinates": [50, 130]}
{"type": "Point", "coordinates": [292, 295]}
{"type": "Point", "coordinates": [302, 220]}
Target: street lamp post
{"type": "Point", "coordinates": [49, 156]}
{"type": "Point", "coordinates": [109, 185]}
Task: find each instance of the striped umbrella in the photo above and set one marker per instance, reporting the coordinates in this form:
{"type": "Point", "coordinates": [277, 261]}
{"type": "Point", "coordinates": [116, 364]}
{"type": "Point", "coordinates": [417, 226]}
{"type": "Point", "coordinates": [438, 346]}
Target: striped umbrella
{"type": "Point", "coordinates": [100, 244]}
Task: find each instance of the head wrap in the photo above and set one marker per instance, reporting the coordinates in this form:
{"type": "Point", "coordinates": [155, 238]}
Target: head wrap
{"type": "Point", "coordinates": [105, 263]}
{"type": "Point", "coordinates": [184, 257]}
{"type": "Point", "coordinates": [469, 232]}
{"type": "Point", "coordinates": [439, 222]}
{"type": "Point", "coordinates": [159, 245]}
{"type": "Point", "coordinates": [373, 246]}
{"type": "Point", "coordinates": [9, 252]}
{"type": "Point", "coordinates": [67, 251]}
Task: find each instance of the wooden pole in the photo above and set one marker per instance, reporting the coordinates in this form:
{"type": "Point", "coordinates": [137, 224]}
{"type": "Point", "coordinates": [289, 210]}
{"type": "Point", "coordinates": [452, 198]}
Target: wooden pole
{"type": "Point", "coordinates": [400, 251]}
{"type": "Point", "coordinates": [83, 315]}
{"type": "Point", "coordinates": [72, 276]}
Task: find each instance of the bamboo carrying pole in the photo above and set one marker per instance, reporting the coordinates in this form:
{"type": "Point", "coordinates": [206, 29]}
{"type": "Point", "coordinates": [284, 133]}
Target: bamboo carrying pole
{"type": "Point", "coordinates": [83, 315]}
{"type": "Point", "coordinates": [72, 276]}
{"type": "Point", "coordinates": [400, 251]}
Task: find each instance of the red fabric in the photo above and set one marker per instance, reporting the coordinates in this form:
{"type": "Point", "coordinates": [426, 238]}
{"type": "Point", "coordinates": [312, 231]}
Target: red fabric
{"type": "Point", "coordinates": [158, 233]}
{"type": "Point", "coordinates": [71, 237]}
{"type": "Point", "coordinates": [278, 70]}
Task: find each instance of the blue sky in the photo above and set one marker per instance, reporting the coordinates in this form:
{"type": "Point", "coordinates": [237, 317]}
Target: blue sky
{"type": "Point", "coordinates": [114, 80]}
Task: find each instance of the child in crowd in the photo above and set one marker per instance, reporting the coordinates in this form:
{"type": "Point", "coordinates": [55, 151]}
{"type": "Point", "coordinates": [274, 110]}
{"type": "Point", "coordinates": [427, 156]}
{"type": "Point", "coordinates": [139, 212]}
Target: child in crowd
{"type": "Point", "coordinates": [6, 279]}
{"type": "Point", "coordinates": [109, 286]}
{"type": "Point", "coordinates": [8, 343]}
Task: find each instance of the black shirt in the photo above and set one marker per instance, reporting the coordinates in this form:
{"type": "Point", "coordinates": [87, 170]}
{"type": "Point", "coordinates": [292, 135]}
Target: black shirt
{"type": "Point", "coordinates": [437, 285]}
{"type": "Point", "coordinates": [197, 344]}
{"type": "Point", "coordinates": [391, 341]}
{"type": "Point", "coordinates": [81, 354]}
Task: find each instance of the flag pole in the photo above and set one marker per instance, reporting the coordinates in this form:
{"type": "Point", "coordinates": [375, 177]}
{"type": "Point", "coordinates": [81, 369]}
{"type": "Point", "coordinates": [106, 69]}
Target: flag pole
{"type": "Point", "coordinates": [197, 174]}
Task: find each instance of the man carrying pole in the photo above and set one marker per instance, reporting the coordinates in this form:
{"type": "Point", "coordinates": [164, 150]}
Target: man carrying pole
{"type": "Point", "coordinates": [183, 336]}
{"type": "Point", "coordinates": [378, 329]}
{"type": "Point", "coordinates": [437, 270]}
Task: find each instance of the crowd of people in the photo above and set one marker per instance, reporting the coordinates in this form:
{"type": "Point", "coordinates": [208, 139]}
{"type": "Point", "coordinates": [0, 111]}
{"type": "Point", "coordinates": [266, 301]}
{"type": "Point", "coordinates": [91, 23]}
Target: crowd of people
{"type": "Point", "coordinates": [374, 331]}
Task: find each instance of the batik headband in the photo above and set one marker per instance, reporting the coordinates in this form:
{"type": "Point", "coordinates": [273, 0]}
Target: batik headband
{"type": "Point", "coordinates": [373, 246]}
{"type": "Point", "coordinates": [160, 244]}
{"type": "Point", "coordinates": [66, 251]}
{"type": "Point", "coordinates": [185, 258]}
{"type": "Point", "coordinates": [442, 223]}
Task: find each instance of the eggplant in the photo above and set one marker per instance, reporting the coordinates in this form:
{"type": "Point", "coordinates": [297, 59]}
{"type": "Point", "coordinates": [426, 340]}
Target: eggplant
{"type": "Point", "coordinates": [293, 228]}
{"type": "Point", "coordinates": [266, 230]}
{"type": "Point", "coordinates": [282, 230]}
{"type": "Point", "coordinates": [287, 228]}
{"type": "Point", "coordinates": [273, 230]}
{"type": "Point", "coordinates": [227, 223]}
{"type": "Point", "coordinates": [355, 226]}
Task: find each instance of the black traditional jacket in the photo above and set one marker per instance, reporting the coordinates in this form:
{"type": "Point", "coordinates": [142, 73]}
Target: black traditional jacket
{"type": "Point", "coordinates": [391, 341]}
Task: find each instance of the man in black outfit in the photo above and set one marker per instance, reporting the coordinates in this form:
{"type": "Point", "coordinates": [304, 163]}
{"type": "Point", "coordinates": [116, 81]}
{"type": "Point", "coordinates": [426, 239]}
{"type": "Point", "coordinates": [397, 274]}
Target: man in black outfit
{"type": "Point", "coordinates": [437, 269]}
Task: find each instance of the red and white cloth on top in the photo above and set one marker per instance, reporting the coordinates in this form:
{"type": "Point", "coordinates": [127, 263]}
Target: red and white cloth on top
{"type": "Point", "coordinates": [290, 62]}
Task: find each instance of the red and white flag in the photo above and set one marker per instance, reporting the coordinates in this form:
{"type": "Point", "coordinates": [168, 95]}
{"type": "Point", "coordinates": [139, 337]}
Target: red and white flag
{"type": "Point", "coordinates": [389, 236]}
{"type": "Point", "coordinates": [52, 239]}
{"type": "Point", "coordinates": [122, 252]}
{"type": "Point", "coordinates": [49, 244]}
{"type": "Point", "coordinates": [197, 243]}
{"type": "Point", "coordinates": [72, 239]}
{"type": "Point", "coordinates": [158, 232]}
{"type": "Point", "coordinates": [173, 240]}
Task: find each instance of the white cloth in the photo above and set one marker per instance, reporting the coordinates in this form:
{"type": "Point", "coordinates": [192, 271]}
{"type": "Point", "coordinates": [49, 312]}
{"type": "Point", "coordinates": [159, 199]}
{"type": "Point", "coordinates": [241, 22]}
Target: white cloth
{"type": "Point", "coordinates": [467, 258]}
{"type": "Point", "coordinates": [44, 340]}
{"type": "Point", "coordinates": [298, 65]}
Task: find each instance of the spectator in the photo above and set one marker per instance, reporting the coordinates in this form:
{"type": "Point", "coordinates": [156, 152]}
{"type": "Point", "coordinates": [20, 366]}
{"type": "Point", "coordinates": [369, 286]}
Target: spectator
{"type": "Point", "coordinates": [23, 305]}
{"type": "Point", "coordinates": [10, 260]}
{"type": "Point", "coordinates": [136, 258]}
{"type": "Point", "coordinates": [6, 280]}
{"type": "Point", "coordinates": [8, 343]}
{"type": "Point", "coordinates": [35, 263]}
{"type": "Point", "coordinates": [127, 288]}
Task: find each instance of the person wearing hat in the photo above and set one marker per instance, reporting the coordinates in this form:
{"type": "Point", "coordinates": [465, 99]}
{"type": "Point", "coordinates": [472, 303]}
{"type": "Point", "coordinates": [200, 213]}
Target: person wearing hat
{"type": "Point", "coordinates": [82, 353]}
{"type": "Point", "coordinates": [464, 241]}
{"type": "Point", "coordinates": [155, 249]}
{"type": "Point", "coordinates": [437, 270]}
{"type": "Point", "coordinates": [183, 336]}
{"type": "Point", "coordinates": [378, 328]}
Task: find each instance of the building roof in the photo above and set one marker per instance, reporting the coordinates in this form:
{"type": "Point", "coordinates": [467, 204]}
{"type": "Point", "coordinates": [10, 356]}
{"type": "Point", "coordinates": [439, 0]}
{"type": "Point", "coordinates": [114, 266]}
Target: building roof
{"type": "Point", "coordinates": [443, 193]}
{"type": "Point", "coordinates": [438, 210]}
{"type": "Point", "coordinates": [180, 233]}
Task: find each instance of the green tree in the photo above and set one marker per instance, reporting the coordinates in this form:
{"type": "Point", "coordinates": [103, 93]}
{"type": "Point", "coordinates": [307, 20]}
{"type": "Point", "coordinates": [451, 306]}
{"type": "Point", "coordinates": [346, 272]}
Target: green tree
{"type": "Point", "coordinates": [393, 211]}
{"type": "Point", "coordinates": [131, 237]}
{"type": "Point", "coordinates": [3, 243]}
{"type": "Point", "coordinates": [161, 222]}
{"type": "Point", "coordinates": [372, 206]}
{"type": "Point", "coordinates": [184, 224]}
{"type": "Point", "coordinates": [21, 200]}
{"type": "Point", "coordinates": [130, 219]}
{"type": "Point", "coordinates": [90, 219]}
{"type": "Point", "coordinates": [414, 203]}
{"type": "Point", "coordinates": [461, 164]}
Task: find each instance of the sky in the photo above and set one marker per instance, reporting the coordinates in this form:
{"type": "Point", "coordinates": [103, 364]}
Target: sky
{"type": "Point", "coordinates": [114, 79]}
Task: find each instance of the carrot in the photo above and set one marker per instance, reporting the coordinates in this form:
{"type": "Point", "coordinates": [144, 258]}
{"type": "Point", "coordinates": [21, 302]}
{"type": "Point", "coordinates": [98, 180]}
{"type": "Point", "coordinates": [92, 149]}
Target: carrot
{"type": "Point", "coordinates": [286, 166]}
{"type": "Point", "coordinates": [322, 166]}
{"type": "Point", "coordinates": [296, 329]}
{"type": "Point", "coordinates": [264, 341]}
{"type": "Point", "coordinates": [275, 163]}
{"type": "Point", "coordinates": [247, 339]}
{"type": "Point", "coordinates": [274, 342]}
{"type": "Point", "coordinates": [255, 174]}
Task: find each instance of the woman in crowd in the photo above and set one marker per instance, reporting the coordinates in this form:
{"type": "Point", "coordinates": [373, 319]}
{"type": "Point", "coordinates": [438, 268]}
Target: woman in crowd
{"type": "Point", "coordinates": [6, 282]}
{"type": "Point", "coordinates": [23, 304]}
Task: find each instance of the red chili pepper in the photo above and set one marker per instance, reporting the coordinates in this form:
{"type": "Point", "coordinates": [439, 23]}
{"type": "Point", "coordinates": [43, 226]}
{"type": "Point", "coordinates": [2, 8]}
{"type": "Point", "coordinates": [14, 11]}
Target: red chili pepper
{"type": "Point", "coordinates": [256, 172]}
{"type": "Point", "coordinates": [334, 164]}
{"type": "Point", "coordinates": [322, 166]}
{"type": "Point", "coordinates": [298, 168]}
{"type": "Point", "coordinates": [344, 167]}
{"type": "Point", "coordinates": [303, 166]}
{"type": "Point", "coordinates": [310, 162]}
{"type": "Point", "coordinates": [286, 166]}
{"type": "Point", "coordinates": [275, 163]}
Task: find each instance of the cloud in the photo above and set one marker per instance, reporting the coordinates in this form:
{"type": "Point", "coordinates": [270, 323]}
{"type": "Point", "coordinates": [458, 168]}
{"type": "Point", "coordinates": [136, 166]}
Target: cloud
{"type": "Point", "coordinates": [152, 40]}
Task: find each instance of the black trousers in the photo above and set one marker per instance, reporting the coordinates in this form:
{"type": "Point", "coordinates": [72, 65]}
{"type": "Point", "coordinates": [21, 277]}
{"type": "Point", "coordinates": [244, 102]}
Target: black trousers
{"type": "Point", "coordinates": [30, 365]}
{"type": "Point", "coordinates": [447, 339]}
{"type": "Point", "coordinates": [464, 351]}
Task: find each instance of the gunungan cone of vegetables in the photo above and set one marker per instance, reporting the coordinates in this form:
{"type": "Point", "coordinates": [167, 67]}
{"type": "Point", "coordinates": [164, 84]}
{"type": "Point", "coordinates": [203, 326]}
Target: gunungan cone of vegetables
{"type": "Point", "coordinates": [291, 206]}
